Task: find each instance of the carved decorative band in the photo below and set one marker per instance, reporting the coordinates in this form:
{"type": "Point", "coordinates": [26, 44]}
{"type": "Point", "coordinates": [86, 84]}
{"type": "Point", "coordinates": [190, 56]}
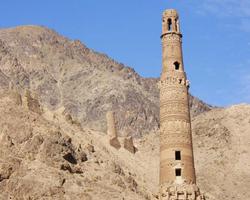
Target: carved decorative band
{"type": "Point", "coordinates": [175, 134]}
{"type": "Point", "coordinates": [187, 144]}
{"type": "Point", "coordinates": [171, 162]}
{"type": "Point", "coordinates": [168, 37]}
{"type": "Point", "coordinates": [171, 102]}
{"type": "Point", "coordinates": [170, 84]}
{"type": "Point", "coordinates": [178, 111]}
{"type": "Point", "coordinates": [182, 143]}
{"type": "Point", "coordinates": [174, 117]}
{"type": "Point", "coordinates": [175, 82]}
{"type": "Point", "coordinates": [174, 129]}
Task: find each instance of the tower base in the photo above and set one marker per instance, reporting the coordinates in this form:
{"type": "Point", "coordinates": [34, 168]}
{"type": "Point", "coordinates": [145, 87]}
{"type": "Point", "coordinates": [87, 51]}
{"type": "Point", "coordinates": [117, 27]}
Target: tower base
{"type": "Point", "coordinates": [180, 192]}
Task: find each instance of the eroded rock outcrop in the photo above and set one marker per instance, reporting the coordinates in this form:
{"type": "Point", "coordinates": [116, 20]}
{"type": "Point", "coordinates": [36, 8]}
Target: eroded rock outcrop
{"type": "Point", "coordinates": [129, 145]}
{"type": "Point", "coordinates": [62, 72]}
{"type": "Point", "coordinates": [31, 103]}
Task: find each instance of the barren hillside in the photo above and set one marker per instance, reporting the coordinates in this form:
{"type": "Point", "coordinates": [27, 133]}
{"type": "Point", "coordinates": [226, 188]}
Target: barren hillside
{"type": "Point", "coordinates": [48, 156]}
{"type": "Point", "coordinates": [53, 135]}
{"type": "Point", "coordinates": [222, 147]}
{"type": "Point", "coordinates": [66, 73]}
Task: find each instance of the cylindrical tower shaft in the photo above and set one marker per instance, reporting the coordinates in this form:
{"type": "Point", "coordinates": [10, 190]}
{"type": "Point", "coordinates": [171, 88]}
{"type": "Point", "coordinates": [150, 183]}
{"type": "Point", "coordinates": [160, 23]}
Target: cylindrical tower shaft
{"type": "Point", "coordinates": [176, 151]}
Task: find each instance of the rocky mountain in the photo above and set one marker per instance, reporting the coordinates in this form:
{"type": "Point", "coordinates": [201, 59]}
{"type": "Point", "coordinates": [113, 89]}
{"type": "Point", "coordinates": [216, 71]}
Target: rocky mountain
{"type": "Point", "coordinates": [222, 147]}
{"type": "Point", "coordinates": [65, 73]}
{"type": "Point", "coordinates": [54, 95]}
{"type": "Point", "coordinates": [47, 156]}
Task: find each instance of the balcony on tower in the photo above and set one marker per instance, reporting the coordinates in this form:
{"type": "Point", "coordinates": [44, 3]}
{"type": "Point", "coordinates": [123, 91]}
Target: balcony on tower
{"type": "Point", "coordinates": [170, 22]}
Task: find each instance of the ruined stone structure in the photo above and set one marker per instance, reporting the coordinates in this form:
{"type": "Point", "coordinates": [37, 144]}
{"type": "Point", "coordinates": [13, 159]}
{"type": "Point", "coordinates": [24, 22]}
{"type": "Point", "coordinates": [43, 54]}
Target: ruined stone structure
{"type": "Point", "coordinates": [177, 172]}
{"type": "Point", "coordinates": [129, 145]}
{"type": "Point", "coordinates": [111, 130]}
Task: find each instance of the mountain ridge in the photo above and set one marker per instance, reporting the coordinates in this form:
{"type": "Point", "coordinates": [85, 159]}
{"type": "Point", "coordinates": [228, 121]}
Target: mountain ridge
{"type": "Point", "coordinates": [54, 95]}
{"type": "Point", "coordinates": [55, 67]}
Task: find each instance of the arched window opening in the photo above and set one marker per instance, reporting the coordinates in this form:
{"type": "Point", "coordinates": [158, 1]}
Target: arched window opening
{"type": "Point", "coordinates": [176, 65]}
{"type": "Point", "coordinates": [169, 25]}
{"type": "Point", "coordinates": [178, 172]}
{"type": "Point", "coordinates": [177, 155]}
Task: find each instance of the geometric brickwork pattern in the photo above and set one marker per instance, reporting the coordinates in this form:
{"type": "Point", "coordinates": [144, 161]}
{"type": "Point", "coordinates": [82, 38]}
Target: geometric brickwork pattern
{"type": "Point", "coordinates": [177, 172]}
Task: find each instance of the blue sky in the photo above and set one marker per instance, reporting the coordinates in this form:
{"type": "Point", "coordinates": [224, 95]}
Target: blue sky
{"type": "Point", "coordinates": [216, 40]}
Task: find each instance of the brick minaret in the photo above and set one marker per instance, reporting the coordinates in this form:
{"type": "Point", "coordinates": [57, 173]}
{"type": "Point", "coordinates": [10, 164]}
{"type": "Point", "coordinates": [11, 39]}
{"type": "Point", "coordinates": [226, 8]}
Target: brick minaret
{"type": "Point", "coordinates": [177, 172]}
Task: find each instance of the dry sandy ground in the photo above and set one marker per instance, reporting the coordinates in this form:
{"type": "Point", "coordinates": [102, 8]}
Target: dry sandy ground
{"type": "Point", "coordinates": [50, 157]}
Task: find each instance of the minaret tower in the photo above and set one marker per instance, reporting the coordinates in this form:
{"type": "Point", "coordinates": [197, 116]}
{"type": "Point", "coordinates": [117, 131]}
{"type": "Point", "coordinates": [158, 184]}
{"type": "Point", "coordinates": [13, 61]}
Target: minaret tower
{"type": "Point", "coordinates": [177, 172]}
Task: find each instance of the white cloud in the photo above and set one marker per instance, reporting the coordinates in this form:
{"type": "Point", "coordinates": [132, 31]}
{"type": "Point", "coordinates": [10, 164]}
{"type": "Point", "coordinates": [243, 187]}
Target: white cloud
{"type": "Point", "coordinates": [234, 15]}
{"type": "Point", "coordinates": [237, 10]}
{"type": "Point", "coordinates": [245, 7]}
{"type": "Point", "coordinates": [229, 8]}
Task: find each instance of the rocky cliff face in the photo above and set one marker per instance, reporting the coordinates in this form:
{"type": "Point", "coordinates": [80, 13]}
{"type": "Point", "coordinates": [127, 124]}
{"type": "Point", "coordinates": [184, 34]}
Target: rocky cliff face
{"type": "Point", "coordinates": [221, 144]}
{"type": "Point", "coordinates": [49, 156]}
{"type": "Point", "coordinates": [52, 136]}
{"type": "Point", "coordinates": [65, 73]}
